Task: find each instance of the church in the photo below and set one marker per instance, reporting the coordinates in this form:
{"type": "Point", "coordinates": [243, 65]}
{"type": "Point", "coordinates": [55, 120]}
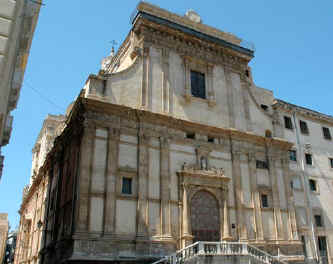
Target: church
{"type": "Point", "coordinates": [171, 154]}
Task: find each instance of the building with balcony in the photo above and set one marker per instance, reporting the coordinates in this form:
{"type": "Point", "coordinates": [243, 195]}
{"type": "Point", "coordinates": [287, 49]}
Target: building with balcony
{"type": "Point", "coordinates": [17, 25]}
{"type": "Point", "coordinates": [171, 153]}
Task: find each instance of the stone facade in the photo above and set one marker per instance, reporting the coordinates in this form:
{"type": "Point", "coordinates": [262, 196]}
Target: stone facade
{"type": "Point", "coordinates": [17, 25]}
{"type": "Point", "coordinates": [34, 194]}
{"type": "Point", "coordinates": [144, 168]}
{"type": "Point", "coordinates": [4, 226]}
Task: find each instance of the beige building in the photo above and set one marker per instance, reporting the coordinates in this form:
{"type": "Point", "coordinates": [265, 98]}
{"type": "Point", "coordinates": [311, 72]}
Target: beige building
{"type": "Point", "coordinates": [34, 194]}
{"type": "Point", "coordinates": [4, 226]}
{"type": "Point", "coordinates": [17, 25]}
{"type": "Point", "coordinates": [172, 144]}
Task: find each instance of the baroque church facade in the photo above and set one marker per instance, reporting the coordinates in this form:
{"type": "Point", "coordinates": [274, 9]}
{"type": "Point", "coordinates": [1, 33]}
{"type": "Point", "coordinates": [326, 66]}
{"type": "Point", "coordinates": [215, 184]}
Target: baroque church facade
{"type": "Point", "coordinates": [172, 143]}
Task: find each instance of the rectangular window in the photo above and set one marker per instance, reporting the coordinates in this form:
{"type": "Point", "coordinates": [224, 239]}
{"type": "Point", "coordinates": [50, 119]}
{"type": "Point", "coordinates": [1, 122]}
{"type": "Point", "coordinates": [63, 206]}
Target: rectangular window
{"type": "Point", "coordinates": [264, 201]}
{"type": "Point", "coordinates": [308, 159]}
{"type": "Point", "coordinates": [210, 139]}
{"type": "Point", "coordinates": [313, 185]}
{"type": "Point", "coordinates": [318, 220]}
{"type": "Point", "coordinates": [304, 127]}
{"type": "Point", "coordinates": [292, 155]}
{"type": "Point", "coordinates": [331, 162]}
{"type": "Point", "coordinates": [260, 164]}
{"type": "Point", "coordinates": [198, 85]}
{"type": "Point", "coordinates": [190, 135]}
{"type": "Point", "coordinates": [287, 122]}
{"type": "Point", "coordinates": [126, 186]}
{"type": "Point", "coordinates": [327, 133]}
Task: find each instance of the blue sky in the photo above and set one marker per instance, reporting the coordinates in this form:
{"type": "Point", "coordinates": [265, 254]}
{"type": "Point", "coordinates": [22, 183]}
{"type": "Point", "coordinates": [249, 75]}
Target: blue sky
{"type": "Point", "coordinates": [294, 54]}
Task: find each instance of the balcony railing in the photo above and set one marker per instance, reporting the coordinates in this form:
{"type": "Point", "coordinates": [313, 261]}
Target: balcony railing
{"type": "Point", "coordinates": [220, 249]}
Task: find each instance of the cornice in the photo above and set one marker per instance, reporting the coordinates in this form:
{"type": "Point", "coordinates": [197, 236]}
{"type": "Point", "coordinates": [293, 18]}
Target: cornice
{"type": "Point", "coordinates": [302, 111]}
{"type": "Point", "coordinates": [140, 115]}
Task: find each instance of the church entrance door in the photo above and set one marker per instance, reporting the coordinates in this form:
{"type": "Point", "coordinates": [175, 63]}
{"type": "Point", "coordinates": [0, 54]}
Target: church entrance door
{"type": "Point", "coordinates": [205, 217]}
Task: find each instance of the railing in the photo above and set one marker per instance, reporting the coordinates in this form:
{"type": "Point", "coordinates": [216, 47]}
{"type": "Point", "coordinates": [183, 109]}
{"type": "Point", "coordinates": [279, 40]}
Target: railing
{"type": "Point", "coordinates": [220, 249]}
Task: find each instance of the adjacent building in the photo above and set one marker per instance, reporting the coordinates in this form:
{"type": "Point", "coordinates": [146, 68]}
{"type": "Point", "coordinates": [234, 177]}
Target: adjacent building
{"type": "Point", "coordinates": [4, 226]}
{"type": "Point", "coordinates": [172, 143]}
{"type": "Point", "coordinates": [17, 25]}
{"type": "Point", "coordinates": [34, 194]}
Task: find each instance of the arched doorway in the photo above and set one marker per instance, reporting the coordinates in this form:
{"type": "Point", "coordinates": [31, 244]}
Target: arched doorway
{"type": "Point", "coordinates": [205, 217]}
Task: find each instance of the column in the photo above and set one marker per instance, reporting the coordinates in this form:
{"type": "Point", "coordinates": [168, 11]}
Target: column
{"type": "Point", "coordinates": [211, 94]}
{"type": "Point", "coordinates": [226, 225]}
{"type": "Point", "coordinates": [111, 181]}
{"type": "Point", "coordinates": [87, 144]}
{"type": "Point", "coordinates": [165, 188]}
{"type": "Point", "coordinates": [186, 236]}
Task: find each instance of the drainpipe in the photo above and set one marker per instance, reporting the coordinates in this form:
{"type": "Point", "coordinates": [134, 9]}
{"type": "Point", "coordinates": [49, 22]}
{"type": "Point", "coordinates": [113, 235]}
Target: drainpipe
{"type": "Point", "coordinates": [306, 185]}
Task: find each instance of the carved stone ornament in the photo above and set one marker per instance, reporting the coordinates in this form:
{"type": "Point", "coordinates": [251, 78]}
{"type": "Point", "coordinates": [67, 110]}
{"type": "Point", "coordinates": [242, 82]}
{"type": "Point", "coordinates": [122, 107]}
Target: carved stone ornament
{"type": "Point", "coordinates": [194, 170]}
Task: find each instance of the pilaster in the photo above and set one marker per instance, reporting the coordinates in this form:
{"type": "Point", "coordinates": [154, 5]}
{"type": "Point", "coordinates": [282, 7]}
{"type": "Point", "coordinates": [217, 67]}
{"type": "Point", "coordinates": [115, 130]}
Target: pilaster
{"type": "Point", "coordinates": [145, 78]}
{"type": "Point", "coordinates": [227, 74]}
{"type": "Point", "coordinates": [142, 203]}
{"type": "Point", "coordinates": [186, 234]}
{"type": "Point", "coordinates": [165, 81]}
{"type": "Point", "coordinates": [255, 197]}
{"type": "Point", "coordinates": [245, 96]}
{"type": "Point", "coordinates": [236, 174]}
{"type": "Point", "coordinates": [86, 156]}
{"type": "Point", "coordinates": [165, 188]}
{"type": "Point", "coordinates": [275, 196]}
{"type": "Point", "coordinates": [111, 181]}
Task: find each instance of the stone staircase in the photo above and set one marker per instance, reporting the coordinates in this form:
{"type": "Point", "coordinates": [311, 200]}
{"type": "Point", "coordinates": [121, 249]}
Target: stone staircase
{"type": "Point", "coordinates": [220, 252]}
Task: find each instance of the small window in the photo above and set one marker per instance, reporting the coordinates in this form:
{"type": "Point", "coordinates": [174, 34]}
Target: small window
{"type": "Point", "coordinates": [292, 155]}
{"type": "Point", "coordinates": [304, 127]}
{"type": "Point", "coordinates": [211, 139]}
{"type": "Point", "coordinates": [190, 135]}
{"type": "Point", "coordinates": [327, 133]}
{"type": "Point", "coordinates": [331, 162]}
{"type": "Point", "coordinates": [198, 87]}
{"type": "Point", "coordinates": [264, 200]}
{"type": "Point", "coordinates": [308, 159]}
{"type": "Point", "coordinates": [318, 220]}
{"type": "Point", "coordinates": [287, 122]}
{"type": "Point", "coordinates": [313, 185]}
{"type": "Point", "coordinates": [247, 73]}
{"type": "Point", "coordinates": [260, 164]}
{"type": "Point", "coordinates": [127, 186]}
{"type": "Point", "coordinates": [264, 107]}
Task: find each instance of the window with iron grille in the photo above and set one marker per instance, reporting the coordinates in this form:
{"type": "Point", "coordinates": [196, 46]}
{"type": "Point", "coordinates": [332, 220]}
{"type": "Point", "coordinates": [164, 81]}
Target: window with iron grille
{"type": "Point", "coordinates": [260, 164]}
{"type": "Point", "coordinates": [304, 127]}
{"type": "Point", "coordinates": [308, 159]}
{"type": "Point", "coordinates": [327, 133]}
{"type": "Point", "coordinates": [126, 186]}
{"type": "Point", "coordinates": [198, 86]}
{"type": "Point", "coordinates": [292, 155]}
{"type": "Point", "coordinates": [264, 200]}
{"type": "Point", "coordinates": [318, 220]}
{"type": "Point", "coordinates": [313, 185]}
{"type": "Point", "coordinates": [287, 122]}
